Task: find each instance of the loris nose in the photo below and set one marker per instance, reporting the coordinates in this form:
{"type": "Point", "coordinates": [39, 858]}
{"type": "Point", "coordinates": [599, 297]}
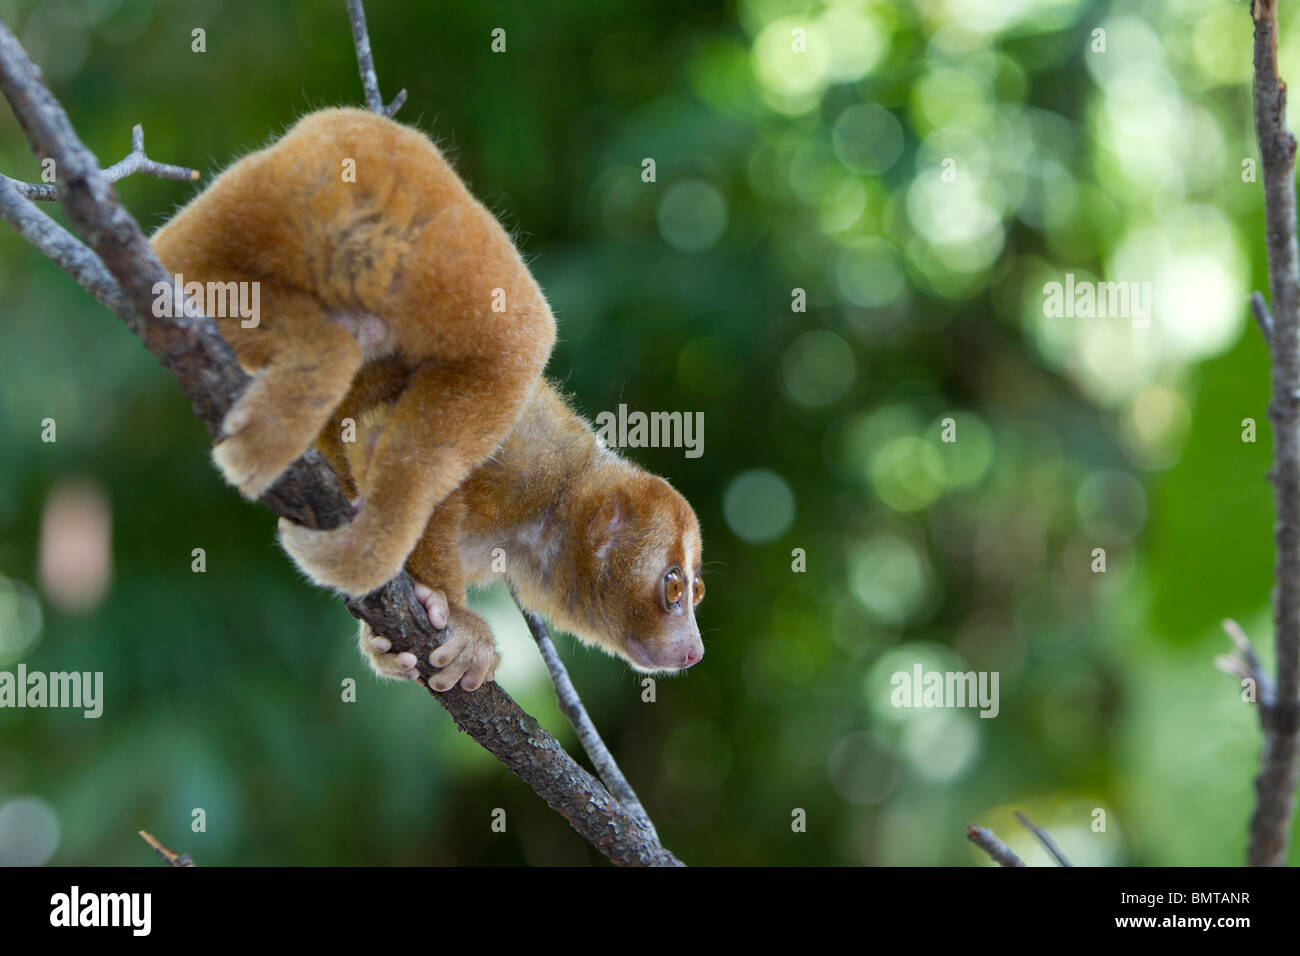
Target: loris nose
{"type": "Point", "coordinates": [673, 655]}
{"type": "Point", "coordinates": [686, 653]}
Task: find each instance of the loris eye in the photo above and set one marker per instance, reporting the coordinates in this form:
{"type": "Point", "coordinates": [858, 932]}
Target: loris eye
{"type": "Point", "coordinates": [674, 587]}
{"type": "Point", "coordinates": [697, 591]}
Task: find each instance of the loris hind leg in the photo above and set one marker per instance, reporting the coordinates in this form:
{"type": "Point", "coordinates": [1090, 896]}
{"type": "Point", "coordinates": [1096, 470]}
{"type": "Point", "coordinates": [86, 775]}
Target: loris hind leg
{"type": "Point", "coordinates": [451, 416]}
{"type": "Point", "coordinates": [468, 654]}
{"type": "Point", "coordinates": [303, 365]}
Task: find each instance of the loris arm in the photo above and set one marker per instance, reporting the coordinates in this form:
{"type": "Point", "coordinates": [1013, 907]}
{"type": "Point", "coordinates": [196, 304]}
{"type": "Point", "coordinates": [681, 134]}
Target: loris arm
{"type": "Point", "coordinates": [468, 653]}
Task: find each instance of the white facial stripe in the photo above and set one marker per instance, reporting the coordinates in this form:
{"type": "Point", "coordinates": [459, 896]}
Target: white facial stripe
{"type": "Point", "coordinates": [692, 559]}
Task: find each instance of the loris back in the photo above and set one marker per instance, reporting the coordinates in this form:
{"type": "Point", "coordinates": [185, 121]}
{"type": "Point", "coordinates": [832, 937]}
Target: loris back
{"type": "Point", "coordinates": [367, 248]}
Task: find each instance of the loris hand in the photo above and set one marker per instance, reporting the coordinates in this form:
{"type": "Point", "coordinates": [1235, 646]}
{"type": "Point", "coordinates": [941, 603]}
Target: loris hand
{"type": "Point", "coordinates": [468, 655]}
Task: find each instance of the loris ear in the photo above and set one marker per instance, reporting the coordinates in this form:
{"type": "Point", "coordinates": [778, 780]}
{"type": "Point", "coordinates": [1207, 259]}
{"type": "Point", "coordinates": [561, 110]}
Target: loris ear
{"type": "Point", "coordinates": [607, 519]}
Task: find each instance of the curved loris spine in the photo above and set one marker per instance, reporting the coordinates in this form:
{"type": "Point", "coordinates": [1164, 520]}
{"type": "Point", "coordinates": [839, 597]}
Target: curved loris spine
{"type": "Point", "coordinates": [608, 551]}
{"type": "Point", "coordinates": [399, 269]}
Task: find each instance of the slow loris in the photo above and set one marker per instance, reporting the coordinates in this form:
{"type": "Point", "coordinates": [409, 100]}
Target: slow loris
{"type": "Point", "coordinates": [608, 551]}
{"type": "Point", "coordinates": [390, 296]}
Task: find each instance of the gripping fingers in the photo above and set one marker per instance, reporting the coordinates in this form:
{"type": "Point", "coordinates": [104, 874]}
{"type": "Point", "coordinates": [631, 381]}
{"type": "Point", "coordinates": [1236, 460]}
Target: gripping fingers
{"type": "Point", "coordinates": [378, 652]}
{"type": "Point", "coordinates": [467, 657]}
{"type": "Point", "coordinates": [435, 605]}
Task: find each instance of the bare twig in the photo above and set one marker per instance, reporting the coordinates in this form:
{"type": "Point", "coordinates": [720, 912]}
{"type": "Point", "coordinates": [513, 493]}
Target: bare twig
{"type": "Point", "coordinates": [571, 706]}
{"type": "Point", "coordinates": [1262, 316]}
{"type": "Point", "coordinates": [1244, 663]}
{"type": "Point", "coordinates": [64, 250]}
{"type": "Point", "coordinates": [1275, 785]}
{"type": "Point", "coordinates": [172, 858]}
{"type": "Point", "coordinates": [135, 161]}
{"type": "Point", "coordinates": [190, 346]}
{"type": "Point", "coordinates": [990, 844]}
{"type": "Point", "coordinates": [1044, 838]}
{"type": "Point", "coordinates": [366, 61]}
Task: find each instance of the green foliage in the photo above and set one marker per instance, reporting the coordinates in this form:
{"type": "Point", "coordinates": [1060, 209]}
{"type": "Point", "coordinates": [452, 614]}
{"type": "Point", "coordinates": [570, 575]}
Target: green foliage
{"type": "Point", "coordinates": [776, 170]}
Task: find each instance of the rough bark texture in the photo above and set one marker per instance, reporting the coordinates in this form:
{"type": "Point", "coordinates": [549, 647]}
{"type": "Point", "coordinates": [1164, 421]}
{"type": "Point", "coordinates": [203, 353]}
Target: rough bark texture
{"type": "Point", "coordinates": [120, 269]}
{"type": "Point", "coordinates": [1270, 827]}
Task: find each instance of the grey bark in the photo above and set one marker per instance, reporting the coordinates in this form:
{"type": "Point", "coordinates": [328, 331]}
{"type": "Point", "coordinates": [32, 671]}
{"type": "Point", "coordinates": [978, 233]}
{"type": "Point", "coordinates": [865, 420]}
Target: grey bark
{"type": "Point", "coordinates": [1275, 785]}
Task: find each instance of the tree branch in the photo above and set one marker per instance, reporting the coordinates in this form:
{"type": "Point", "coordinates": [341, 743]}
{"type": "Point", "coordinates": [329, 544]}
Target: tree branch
{"type": "Point", "coordinates": [64, 250]}
{"type": "Point", "coordinates": [987, 841]}
{"type": "Point", "coordinates": [366, 63]}
{"type": "Point", "coordinates": [571, 706]}
{"type": "Point", "coordinates": [1044, 838]}
{"type": "Point", "coordinates": [136, 161]}
{"type": "Point", "coordinates": [190, 346]}
{"type": "Point", "coordinates": [1270, 827]}
{"type": "Point", "coordinates": [1263, 317]}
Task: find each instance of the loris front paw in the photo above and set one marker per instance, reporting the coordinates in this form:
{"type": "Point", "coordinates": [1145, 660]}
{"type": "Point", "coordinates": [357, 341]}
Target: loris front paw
{"type": "Point", "coordinates": [467, 656]}
{"type": "Point", "coordinates": [351, 559]}
{"type": "Point", "coordinates": [378, 651]}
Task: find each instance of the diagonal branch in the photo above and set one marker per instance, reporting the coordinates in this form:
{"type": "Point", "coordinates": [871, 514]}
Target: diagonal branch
{"type": "Point", "coordinates": [309, 492]}
{"type": "Point", "coordinates": [1275, 785]}
{"type": "Point", "coordinates": [136, 161]}
{"type": "Point", "coordinates": [987, 841]}
{"type": "Point", "coordinates": [1044, 838]}
{"type": "Point", "coordinates": [571, 706]}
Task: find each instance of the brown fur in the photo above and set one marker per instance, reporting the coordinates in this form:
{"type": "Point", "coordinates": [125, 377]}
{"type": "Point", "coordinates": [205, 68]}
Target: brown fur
{"type": "Point", "coordinates": [377, 306]}
{"type": "Point", "coordinates": [406, 242]}
{"type": "Point", "coordinates": [586, 537]}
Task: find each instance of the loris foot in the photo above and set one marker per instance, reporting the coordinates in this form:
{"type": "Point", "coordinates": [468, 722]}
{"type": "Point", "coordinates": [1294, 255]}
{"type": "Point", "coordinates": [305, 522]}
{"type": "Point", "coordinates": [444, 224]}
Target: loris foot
{"type": "Point", "coordinates": [378, 651]}
{"type": "Point", "coordinates": [469, 650]}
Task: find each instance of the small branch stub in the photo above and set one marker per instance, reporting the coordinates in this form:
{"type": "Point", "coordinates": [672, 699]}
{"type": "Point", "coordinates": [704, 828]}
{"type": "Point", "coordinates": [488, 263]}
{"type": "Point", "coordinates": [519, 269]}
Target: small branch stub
{"type": "Point", "coordinates": [987, 841]}
{"type": "Point", "coordinates": [172, 858]}
{"type": "Point", "coordinates": [136, 161]}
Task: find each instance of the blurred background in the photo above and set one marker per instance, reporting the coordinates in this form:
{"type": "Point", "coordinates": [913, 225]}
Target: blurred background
{"type": "Point", "coordinates": [1117, 155]}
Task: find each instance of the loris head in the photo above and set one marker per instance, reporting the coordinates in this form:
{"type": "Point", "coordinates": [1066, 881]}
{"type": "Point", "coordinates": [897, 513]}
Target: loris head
{"type": "Point", "coordinates": [636, 562]}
